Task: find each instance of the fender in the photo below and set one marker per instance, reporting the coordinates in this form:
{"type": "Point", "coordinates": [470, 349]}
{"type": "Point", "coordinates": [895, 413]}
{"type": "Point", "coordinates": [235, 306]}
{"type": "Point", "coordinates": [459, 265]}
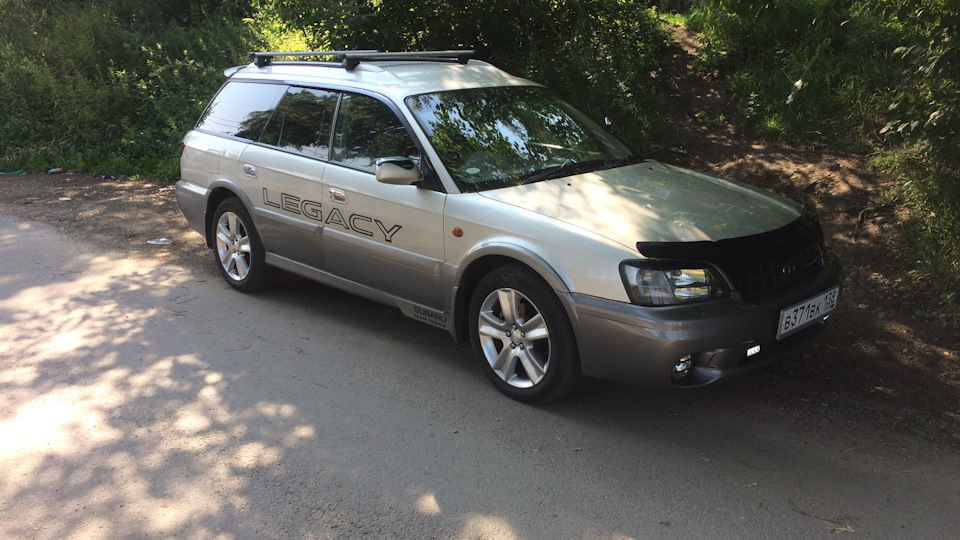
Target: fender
{"type": "Point", "coordinates": [507, 247]}
{"type": "Point", "coordinates": [212, 199]}
{"type": "Point", "coordinates": [504, 248]}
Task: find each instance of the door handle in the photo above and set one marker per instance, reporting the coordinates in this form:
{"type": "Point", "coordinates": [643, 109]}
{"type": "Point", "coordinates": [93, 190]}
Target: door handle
{"type": "Point", "coordinates": [338, 196]}
{"type": "Point", "coordinates": [249, 170]}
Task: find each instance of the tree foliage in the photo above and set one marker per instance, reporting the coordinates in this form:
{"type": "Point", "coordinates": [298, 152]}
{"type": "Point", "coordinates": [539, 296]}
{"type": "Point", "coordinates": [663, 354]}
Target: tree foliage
{"type": "Point", "coordinates": [113, 84]}
{"type": "Point", "coordinates": [93, 83]}
{"type": "Point", "coordinates": [926, 107]}
{"type": "Point", "coordinates": [881, 74]}
{"type": "Point", "coordinates": [598, 54]}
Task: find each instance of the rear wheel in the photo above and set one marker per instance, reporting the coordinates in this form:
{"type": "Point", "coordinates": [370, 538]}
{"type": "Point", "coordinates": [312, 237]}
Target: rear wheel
{"type": "Point", "coordinates": [522, 337]}
{"type": "Point", "coordinates": [238, 250]}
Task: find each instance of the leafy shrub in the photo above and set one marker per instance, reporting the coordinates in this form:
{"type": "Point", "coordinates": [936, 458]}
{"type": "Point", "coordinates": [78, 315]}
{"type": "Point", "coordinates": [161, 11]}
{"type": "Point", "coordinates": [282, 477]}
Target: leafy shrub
{"type": "Point", "coordinates": [872, 68]}
{"type": "Point", "coordinates": [926, 108]}
{"type": "Point", "coordinates": [90, 91]}
{"type": "Point", "coordinates": [113, 84]}
{"type": "Point", "coordinates": [879, 74]}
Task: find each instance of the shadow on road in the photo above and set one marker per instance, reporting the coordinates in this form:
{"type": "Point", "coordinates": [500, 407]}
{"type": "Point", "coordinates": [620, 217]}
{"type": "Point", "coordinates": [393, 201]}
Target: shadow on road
{"type": "Point", "coordinates": [140, 400]}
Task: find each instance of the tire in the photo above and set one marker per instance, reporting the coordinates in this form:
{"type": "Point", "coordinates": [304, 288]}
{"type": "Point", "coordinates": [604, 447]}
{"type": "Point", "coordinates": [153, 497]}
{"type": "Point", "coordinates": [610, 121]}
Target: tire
{"type": "Point", "coordinates": [238, 250]}
{"type": "Point", "coordinates": [528, 350]}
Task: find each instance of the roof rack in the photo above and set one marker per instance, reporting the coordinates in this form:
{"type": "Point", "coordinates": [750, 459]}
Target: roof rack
{"type": "Point", "coordinates": [351, 59]}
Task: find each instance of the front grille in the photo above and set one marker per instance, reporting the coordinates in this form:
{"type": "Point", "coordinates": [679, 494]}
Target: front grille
{"type": "Point", "coordinates": [768, 273]}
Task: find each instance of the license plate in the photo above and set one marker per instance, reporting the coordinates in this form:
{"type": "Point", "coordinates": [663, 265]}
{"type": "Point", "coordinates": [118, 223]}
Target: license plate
{"type": "Point", "coordinates": [805, 313]}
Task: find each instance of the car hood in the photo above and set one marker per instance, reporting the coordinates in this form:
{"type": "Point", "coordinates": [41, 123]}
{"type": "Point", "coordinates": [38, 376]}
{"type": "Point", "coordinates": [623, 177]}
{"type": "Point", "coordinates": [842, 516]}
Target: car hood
{"type": "Point", "coordinates": [654, 202]}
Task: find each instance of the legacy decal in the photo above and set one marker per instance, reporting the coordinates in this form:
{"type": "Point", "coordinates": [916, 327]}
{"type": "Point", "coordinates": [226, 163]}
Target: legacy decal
{"type": "Point", "coordinates": [357, 223]}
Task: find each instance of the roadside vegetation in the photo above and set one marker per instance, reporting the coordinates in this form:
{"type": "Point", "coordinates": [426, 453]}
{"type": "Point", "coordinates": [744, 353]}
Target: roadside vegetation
{"type": "Point", "coordinates": [110, 86]}
{"type": "Point", "coordinates": [881, 77]}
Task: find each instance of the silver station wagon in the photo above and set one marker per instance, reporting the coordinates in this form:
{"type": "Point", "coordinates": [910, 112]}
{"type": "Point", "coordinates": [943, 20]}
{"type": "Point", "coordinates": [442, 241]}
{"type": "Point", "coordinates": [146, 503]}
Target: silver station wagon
{"type": "Point", "coordinates": [478, 202]}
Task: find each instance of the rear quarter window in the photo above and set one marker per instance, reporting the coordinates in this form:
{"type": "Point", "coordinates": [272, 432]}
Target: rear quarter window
{"type": "Point", "coordinates": [241, 109]}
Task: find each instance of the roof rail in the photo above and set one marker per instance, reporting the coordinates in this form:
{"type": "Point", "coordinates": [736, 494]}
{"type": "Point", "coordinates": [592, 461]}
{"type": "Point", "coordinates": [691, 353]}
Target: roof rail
{"type": "Point", "coordinates": [351, 59]}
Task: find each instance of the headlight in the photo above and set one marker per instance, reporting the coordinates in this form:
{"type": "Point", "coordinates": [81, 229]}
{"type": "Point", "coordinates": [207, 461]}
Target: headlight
{"type": "Point", "coordinates": [665, 284]}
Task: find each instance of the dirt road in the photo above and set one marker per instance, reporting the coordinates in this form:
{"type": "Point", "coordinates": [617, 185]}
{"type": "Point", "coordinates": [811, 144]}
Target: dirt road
{"type": "Point", "coordinates": [140, 398]}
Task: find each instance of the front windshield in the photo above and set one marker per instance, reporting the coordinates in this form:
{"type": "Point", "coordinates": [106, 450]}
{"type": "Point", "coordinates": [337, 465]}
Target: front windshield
{"type": "Point", "coordinates": [490, 138]}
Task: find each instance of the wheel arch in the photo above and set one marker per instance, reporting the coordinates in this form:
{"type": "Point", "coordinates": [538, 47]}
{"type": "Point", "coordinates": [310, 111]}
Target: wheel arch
{"type": "Point", "coordinates": [219, 192]}
{"type": "Point", "coordinates": [485, 260]}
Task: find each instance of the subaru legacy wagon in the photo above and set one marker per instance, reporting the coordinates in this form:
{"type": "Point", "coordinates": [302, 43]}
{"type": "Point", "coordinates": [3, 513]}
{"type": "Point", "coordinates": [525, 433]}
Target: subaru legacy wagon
{"type": "Point", "coordinates": [478, 202]}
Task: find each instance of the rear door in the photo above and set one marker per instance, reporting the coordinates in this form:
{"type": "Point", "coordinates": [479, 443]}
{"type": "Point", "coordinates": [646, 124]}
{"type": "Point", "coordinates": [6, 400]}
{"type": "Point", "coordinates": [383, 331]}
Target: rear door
{"type": "Point", "coordinates": [383, 236]}
{"type": "Point", "coordinates": [282, 174]}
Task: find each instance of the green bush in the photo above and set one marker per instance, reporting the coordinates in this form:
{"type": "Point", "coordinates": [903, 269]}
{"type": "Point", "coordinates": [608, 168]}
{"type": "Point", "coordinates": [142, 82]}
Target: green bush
{"type": "Point", "coordinates": [91, 90]}
{"type": "Point", "coordinates": [854, 71]}
{"type": "Point", "coordinates": [926, 109]}
{"type": "Point", "coordinates": [931, 230]}
{"type": "Point", "coordinates": [112, 85]}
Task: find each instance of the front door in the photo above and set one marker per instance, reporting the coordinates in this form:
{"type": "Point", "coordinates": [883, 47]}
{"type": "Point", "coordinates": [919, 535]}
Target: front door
{"type": "Point", "coordinates": [384, 236]}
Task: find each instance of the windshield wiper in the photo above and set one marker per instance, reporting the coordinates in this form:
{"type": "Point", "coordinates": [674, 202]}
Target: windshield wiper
{"type": "Point", "coordinates": [624, 161]}
{"type": "Point", "coordinates": [567, 168]}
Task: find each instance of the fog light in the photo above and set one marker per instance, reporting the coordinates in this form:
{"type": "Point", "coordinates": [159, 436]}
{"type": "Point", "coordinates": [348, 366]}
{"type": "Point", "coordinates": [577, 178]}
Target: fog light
{"type": "Point", "coordinates": [682, 368]}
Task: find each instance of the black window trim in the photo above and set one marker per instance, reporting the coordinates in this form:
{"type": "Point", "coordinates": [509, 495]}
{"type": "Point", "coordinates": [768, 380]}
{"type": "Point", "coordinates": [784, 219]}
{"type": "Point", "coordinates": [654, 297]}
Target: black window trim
{"type": "Point", "coordinates": [336, 109]}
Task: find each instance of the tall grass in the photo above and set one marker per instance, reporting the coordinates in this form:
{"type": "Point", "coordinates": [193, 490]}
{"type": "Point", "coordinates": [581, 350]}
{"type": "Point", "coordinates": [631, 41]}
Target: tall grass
{"type": "Point", "coordinates": [805, 71]}
{"type": "Point", "coordinates": [930, 226]}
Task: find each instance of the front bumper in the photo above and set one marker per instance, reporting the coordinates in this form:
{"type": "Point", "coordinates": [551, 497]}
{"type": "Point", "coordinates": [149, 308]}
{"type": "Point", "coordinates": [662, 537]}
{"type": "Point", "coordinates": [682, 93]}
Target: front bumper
{"type": "Point", "coordinates": [641, 345]}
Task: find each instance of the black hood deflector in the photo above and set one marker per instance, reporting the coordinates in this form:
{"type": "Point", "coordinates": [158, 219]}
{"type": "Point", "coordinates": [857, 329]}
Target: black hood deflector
{"type": "Point", "coordinates": [757, 264]}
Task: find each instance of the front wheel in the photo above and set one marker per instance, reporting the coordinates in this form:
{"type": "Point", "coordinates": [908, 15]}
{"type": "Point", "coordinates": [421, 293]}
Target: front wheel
{"type": "Point", "coordinates": [522, 337]}
{"type": "Point", "coordinates": [238, 251]}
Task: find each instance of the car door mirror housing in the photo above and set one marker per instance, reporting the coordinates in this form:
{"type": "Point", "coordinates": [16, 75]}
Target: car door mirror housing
{"type": "Point", "coordinates": [398, 171]}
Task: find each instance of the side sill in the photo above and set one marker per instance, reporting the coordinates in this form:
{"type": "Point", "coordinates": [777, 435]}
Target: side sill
{"type": "Point", "coordinates": [425, 314]}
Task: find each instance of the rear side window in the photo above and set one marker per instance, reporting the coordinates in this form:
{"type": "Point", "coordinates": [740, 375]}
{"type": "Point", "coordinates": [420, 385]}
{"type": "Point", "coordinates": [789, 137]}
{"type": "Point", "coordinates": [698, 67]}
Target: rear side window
{"type": "Point", "coordinates": [241, 109]}
{"type": "Point", "coordinates": [302, 122]}
{"type": "Point", "coordinates": [367, 129]}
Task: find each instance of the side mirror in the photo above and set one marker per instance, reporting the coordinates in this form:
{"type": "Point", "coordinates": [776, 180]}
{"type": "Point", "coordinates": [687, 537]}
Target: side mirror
{"type": "Point", "coordinates": [398, 171]}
